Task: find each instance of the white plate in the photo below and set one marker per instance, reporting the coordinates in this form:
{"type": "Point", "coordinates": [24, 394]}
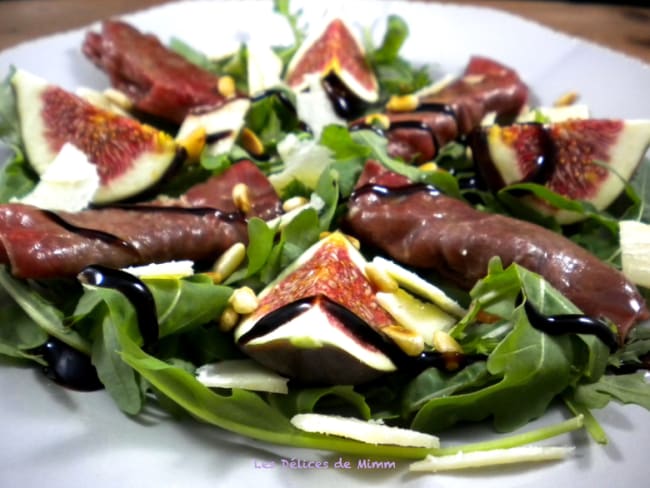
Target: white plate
{"type": "Point", "coordinates": [54, 437]}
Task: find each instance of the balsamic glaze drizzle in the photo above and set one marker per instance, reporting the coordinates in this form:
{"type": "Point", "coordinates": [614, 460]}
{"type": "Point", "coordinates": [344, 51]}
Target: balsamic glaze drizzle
{"type": "Point", "coordinates": [134, 290]}
{"type": "Point", "coordinates": [346, 104]}
{"type": "Point", "coordinates": [546, 161]}
{"type": "Point", "coordinates": [217, 136]}
{"type": "Point", "coordinates": [280, 95]}
{"type": "Point", "coordinates": [405, 190]}
{"type": "Point", "coordinates": [415, 124]}
{"type": "Point", "coordinates": [571, 324]}
{"type": "Point", "coordinates": [68, 366]}
{"type": "Point", "coordinates": [91, 233]}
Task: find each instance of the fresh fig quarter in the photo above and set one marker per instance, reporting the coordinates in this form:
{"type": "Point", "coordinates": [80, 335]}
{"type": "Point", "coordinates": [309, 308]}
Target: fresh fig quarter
{"type": "Point", "coordinates": [130, 157]}
{"type": "Point", "coordinates": [583, 159]}
{"type": "Point", "coordinates": [320, 321]}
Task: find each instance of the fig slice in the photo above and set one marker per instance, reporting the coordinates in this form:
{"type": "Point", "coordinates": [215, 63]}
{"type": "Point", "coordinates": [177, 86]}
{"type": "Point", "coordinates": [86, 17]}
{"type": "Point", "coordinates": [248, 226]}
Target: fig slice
{"type": "Point", "coordinates": [583, 159]}
{"type": "Point", "coordinates": [320, 321]}
{"type": "Point", "coordinates": [333, 49]}
{"type": "Point", "coordinates": [130, 157]}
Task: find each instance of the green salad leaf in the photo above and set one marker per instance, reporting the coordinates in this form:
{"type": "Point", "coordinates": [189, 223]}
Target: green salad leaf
{"type": "Point", "coordinates": [394, 74]}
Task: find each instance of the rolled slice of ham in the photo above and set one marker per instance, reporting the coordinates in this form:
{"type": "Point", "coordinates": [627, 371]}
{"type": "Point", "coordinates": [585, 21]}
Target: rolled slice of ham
{"type": "Point", "coordinates": [434, 231]}
{"type": "Point", "coordinates": [198, 226]}
{"type": "Point", "coordinates": [486, 86]}
{"type": "Point", "coordinates": [158, 81]}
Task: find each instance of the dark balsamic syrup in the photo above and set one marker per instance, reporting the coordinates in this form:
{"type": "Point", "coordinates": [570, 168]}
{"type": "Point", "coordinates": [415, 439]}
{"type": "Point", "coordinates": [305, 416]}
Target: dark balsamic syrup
{"type": "Point", "coordinates": [402, 191]}
{"type": "Point", "coordinates": [68, 366]}
{"type": "Point", "coordinates": [415, 123]}
{"type": "Point", "coordinates": [280, 95]}
{"type": "Point", "coordinates": [114, 240]}
{"type": "Point", "coordinates": [74, 369]}
{"type": "Point", "coordinates": [217, 136]}
{"type": "Point", "coordinates": [106, 237]}
{"type": "Point", "coordinates": [571, 324]}
{"type": "Point", "coordinates": [346, 104]}
{"type": "Point", "coordinates": [134, 290]}
{"type": "Point", "coordinates": [545, 162]}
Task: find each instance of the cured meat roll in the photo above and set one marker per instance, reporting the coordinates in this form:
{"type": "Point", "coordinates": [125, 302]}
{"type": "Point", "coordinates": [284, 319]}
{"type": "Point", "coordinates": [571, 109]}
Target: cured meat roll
{"type": "Point", "coordinates": [417, 132]}
{"type": "Point", "coordinates": [158, 81]}
{"type": "Point", "coordinates": [420, 228]}
{"type": "Point", "coordinates": [198, 226]}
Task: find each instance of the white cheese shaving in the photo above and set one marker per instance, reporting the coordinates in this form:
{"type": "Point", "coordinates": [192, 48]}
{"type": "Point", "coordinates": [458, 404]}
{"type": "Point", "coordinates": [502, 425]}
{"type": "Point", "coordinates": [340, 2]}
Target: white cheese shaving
{"type": "Point", "coordinates": [304, 160]}
{"type": "Point", "coordinates": [635, 251]}
{"type": "Point", "coordinates": [67, 184]}
{"type": "Point", "coordinates": [414, 283]}
{"type": "Point", "coordinates": [480, 459]}
{"type": "Point", "coordinates": [315, 108]}
{"type": "Point", "coordinates": [264, 67]}
{"type": "Point", "coordinates": [241, 373]}
{"type": "Point", "coordinates": [370, 432]}
{"type": "Point", "coordinates": [170, 269]}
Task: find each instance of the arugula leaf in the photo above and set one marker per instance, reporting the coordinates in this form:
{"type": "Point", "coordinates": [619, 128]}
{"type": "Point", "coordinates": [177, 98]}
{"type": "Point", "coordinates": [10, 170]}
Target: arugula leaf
{"type": "Point", "coordinates": [394, 74]}
{"type": "Point", "coordinates": [9, 122]}
{"type": "Point", "coordinates": [636, 347]}
{"type": "Point", "coordinates": [527, 369]}
{"type": "Point", "coordinates": [43, 313]}
{"type": "Point", "coordinates": [625, 388]}
{"type": "Point", "coordinates": [19, 334]}
{"type": "Point", "coordinates": [378, 145]}
{"type": "Point", "coordinates": [533, 369]}
{"type": "Point", "coordinates": [16, 177]}
{"type": "Point", "coordinates": [118, 378]}
{"type": "Point", "coordinates": [282, 7]}
{"type": "Point", "coordinates": [244, 412]}
{"type": "Point", "coordinates": [233, 64]}
{"type": "Point", "coordinates": [434, 383]}
{"type": "Point", "coordinates": [305, 400]}
{"type": "Point", "coordinates": [184, 304]}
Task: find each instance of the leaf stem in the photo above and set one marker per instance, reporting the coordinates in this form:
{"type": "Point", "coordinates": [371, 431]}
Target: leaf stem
{"type": "Point", "coordinates": [517, 440]}
{"type": "Point", "coordinates": [592, 426]}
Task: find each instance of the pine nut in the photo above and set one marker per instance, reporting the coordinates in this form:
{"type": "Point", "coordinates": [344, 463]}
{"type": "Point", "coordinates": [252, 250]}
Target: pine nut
{"type": "Point", "coordinates": [567, 99]}
{"type": "Point", "coordinates": [244, 300]}
{"type": "Point", "coordinates": [294, 203]}
{"type": "Point", "coordinates": [226, 86]}
{"type": "Point", "coordinates": [251, 142]}
{"type": "Point", "coordinates": [119, 98]}
{"type": "Point", "coordinates": [402, 103]}
{"type": "Point", "coordinates": [228, 262]}
{"type": "Point", "coordinates": [354, 241]}
{"type": "Point", "coordinates": [241, 196]}
{"type": "Point", "coordinates": [194, 144]}
{"type": "Point", "coordinates": [228, 319]}
{"type": "Point", "coordinates": [430, 166]}
{"type": "Point", "coordinates": [409, 342]}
